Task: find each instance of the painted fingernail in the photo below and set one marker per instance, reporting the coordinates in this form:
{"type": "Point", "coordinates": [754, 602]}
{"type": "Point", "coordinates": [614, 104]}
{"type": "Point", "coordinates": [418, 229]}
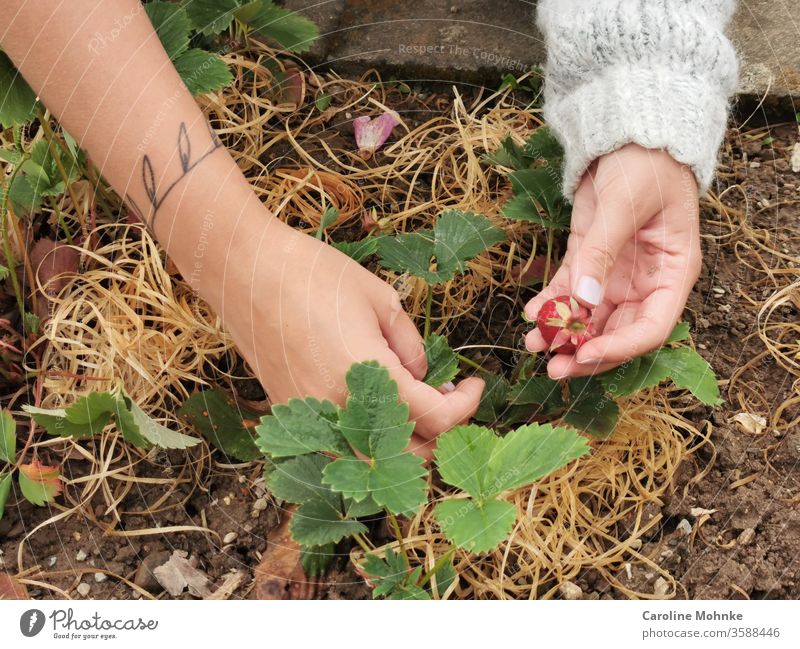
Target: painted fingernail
{"type": "Point", "coordinates": [449, 386]}
{"type": "Point", "coordinates": [589, 290]}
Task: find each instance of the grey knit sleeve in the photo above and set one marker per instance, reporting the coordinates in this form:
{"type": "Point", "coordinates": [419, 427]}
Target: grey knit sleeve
{"type": "Point", "coordinates": [659, 73]}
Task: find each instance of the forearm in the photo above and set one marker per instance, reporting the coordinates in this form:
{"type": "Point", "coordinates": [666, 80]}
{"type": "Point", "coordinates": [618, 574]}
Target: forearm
{"type": "Point", "coordinates": [659, 74]}
{"type": "Point", "coordinates": [128, 108]}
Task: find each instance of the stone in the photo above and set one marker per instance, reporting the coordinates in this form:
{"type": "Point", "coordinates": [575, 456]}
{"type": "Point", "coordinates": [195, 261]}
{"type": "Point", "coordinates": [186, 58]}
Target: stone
{"type": "Point", "coordinates": [81, 555]}
{"type": "Point", "coordinates": [144, 577]}
{"type": "Point", "coordinates": [230, 537]}
{"type": "Point", "coordinates": [83, 589]}
{"type": "Point", "coordinates": [570, 590]}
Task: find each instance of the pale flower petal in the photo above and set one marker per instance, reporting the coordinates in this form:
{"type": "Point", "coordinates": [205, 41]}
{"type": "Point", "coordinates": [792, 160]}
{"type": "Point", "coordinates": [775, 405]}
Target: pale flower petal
{"type": "Point", "coordinates": [372, 133]}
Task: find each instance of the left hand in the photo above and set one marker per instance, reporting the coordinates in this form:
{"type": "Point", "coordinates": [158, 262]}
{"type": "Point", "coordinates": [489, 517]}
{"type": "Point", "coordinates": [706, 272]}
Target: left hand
{"type": "Point", "coordinates": [633, 255]}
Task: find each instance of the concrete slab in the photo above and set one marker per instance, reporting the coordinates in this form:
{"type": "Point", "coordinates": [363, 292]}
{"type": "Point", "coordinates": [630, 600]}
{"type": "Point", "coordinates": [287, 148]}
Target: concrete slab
{"type": "Point", "coordinates": [475, 41]}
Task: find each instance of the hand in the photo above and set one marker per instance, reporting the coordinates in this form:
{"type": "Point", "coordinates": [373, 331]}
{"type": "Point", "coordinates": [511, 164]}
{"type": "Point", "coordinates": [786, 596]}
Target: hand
{"type": "Point", "coordinates": [633, 255]}
{"type": "Point", "coordinates": [313, 312]}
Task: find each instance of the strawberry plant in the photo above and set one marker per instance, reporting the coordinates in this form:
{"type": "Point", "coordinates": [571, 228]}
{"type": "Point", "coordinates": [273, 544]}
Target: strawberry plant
{"type": "Point", "coordinates": [345, 465]}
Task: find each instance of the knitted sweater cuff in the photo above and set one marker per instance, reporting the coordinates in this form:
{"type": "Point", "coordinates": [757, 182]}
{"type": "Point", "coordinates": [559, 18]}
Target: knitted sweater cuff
{"type": "Point", "coordinates": [655, 107]}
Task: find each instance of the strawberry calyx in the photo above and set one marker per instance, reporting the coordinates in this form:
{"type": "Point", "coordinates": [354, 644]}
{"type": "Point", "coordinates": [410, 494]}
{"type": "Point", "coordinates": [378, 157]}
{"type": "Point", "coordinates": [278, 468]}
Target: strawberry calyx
{"type": "Point", "coordinates": [565, 324]}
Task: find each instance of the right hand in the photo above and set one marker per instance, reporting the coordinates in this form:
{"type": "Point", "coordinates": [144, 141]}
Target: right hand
{"type": "Point", "coordinates": [306, 312]}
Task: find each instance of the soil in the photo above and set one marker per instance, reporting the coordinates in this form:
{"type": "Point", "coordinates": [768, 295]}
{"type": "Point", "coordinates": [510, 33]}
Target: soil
{"type": "Point", "coordinates": [748, 547]}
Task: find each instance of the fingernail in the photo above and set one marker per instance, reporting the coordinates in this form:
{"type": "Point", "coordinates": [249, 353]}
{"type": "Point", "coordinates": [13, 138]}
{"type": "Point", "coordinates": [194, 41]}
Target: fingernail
{"type": "Point", "coordinates": [589, 290]}
{"type": "Point", "coordinates": [449, 386]}
{"type": "Point", "coordinates": [587, 361]}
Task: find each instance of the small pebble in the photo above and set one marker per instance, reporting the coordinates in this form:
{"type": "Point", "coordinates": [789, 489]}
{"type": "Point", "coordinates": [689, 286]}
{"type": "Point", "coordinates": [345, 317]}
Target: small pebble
{"type": "Point", "coordinates": [52, 561]}
{"type": "Point", "coordinates": [260, 505]}
{"type": "Point", "coordinates": [81, 556]}
{"type": "Point", "coordinates": [685, 527]}
{"type": "Point", "coordinates": [570, 590]}
{"type": "Point", "coordinates": [230, 537]}
{"type": "Point", "coordinates": [636, 544]}
{"type": "Point", "coordinates": [83, 589]}
{"type": "Point", "coordinates": [100, 577]}
{"type": "Point", "coordinates": [718, 290]}
{"type": "Point", "coordinates": [747, 536]}
{"type": "Point", "coordinates": [661, 587]}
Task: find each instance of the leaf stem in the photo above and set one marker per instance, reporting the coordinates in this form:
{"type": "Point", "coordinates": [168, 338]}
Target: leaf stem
{"type": "Point", "coordinates": [51, 143]}
{"type": "Point", "coordinates": [437, 566]}
{"type": "Point", "coordinates": [399, 535]}
{"type": "Point", "coordinates": [360, 540]}
{"type": "Point", "coordinates": [549, 254]}
{"type": "Point", "coordinates": [471, 363]}
{"type": "Point", "coordinates": [428, 304]}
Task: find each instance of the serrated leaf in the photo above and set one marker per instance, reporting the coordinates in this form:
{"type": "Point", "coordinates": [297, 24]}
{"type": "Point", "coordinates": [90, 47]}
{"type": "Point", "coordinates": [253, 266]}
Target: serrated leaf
{"type": "Point", "coordinates": [537, 390]}
{"type": "Point", "coordinates": [462, 457]}
{"type": "Point", "coordinates": [317, 522]}
{"type": "Point", "coordinates": [410, 591]}
{"type": "Point", "coordinates": [679, 333]}
{"type": "Point", "coordinates": [90, 407]}
{"type": "Point", "coordinates": [323, 102]}
{"type": "Point", "coordinates": [457, 237]}
{"type": "Point", "coordinates": [358, 250]}
{"type": "Point", "coordinates": [5, 487]}
{"type": "Point", "coordinates": [126, 423]}
{"type": "Point", "coordinates": [3, 273]}
{"type": "Point", "coordinates": [493, 400]}
{"type": "Point", "coordinates": [293, 31]}
{"type": "Point", "coordinates": [395, 483]}
{"type": "Point", "coordinates": [443, 578]}
{"type": "Point", "coordinates": [156, 433]}
{"type": "Point", "coordinates": [589, 408]}
{"type": "Point", "coordinates": [543, 145]}
{"type": "Point", "coordinates": [508, 154]}
{"type": "Point", "coordinates": [8, 437]}
{"type": "Point", "coordinates": [473, 527]}
{"type": "Point", "coordinates": [172, 26]}
{"type": "Point", "coordinates": [442, 361]}
{"type": "Point", "coordinates": [316, 559]}
{"type": "Point", "coordinates": [298, 427]}
{"type": "Point", "coordinates": [221, 422]}
{"type": "Point", "coordinates": [40, 484]}
{"type": "Point", "coordinates": [374, 421]}
{"type": "Point", "coordinates": [17, 100]}
{"type": "Point", "coordinates": [692, 372]}
{"type": "Point", "coordinates": [543, 186]}
{"type": "Point", "coordinates": [55, 421]}
{"type": "Point", "coordinates": [387, 574]}
{"type": "Point", "coordinates": [299, 480]}
{"type": "Point", "coordinates": [461, 236]}
{"type": "Point", "coordinates": [211, 17]}
{"type": "Point", "coordinates": [202, 71]}
{"type": "Point", "coordinates": [530, 453]}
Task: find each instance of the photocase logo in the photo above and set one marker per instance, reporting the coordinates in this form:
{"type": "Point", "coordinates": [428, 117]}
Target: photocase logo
{"type": "Point", "coordinates": [31, 622]}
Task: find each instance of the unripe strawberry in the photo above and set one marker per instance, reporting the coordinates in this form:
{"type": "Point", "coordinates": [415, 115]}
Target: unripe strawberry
{"type": "Point", "coordinates": [564, 324]}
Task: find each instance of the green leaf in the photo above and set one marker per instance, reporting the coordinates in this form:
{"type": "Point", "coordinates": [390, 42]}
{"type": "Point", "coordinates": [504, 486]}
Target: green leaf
{"type": "Point", "coordinates": [445, 576]}
{"type": "Point", "coordinates": [457, 237]}
{"type": "Point", "coordinates": [316, 559]}
{"type": "Point", "coordinates": [3, 272]}
{"type": "Point", "coordinates": [299, 480]}
{"type": "Point", "coordinates": [410, 590]}
{"type": "Point", "coordinates": [590, 409]}
{"type": "Point", "coordinates": [358, 250]}
{"type": "Point", "coordinates": [293, 31]}
{"type": "Point", "coordinates": [90, 407]}
{"type": "Point", "coordinates": [328, 218]}
{"type": "Point", "coordinates": [543, 145]}
{"type": "Point", "coordinates": [475, 527]}
{"type": "Point", "coordinates": [5, 488]}
{"type": "Point", "coordinates": [32, 322]}
{"type": "Point", "coordinates": [17, 100]}
{"type": "Point", "coordinates": [366, 507]}
{"type": "Point", "coordinates": [172, 26]}
{"type": "Point", "coordinates": [374, 421]}
{"type": "Point", "coordinates": [462, 457]}
{"type": "Point", "coordinates": [8, 437]}
{"type": "Point", "coordinates": [395, 482]}
{"type": "Point", "coordinates": [538, 390]}
{"type": "Point", "coordinates": [508, 154]}
{"type": "Point", "coordinates": [442, 361]}
{"type": "Point", "coordinates": [530, 453]}
{"type": "Point", "coordinates": [298, 427]}
{"type": "Point", "coordinates": [211, 17]}
{"type": "Point", "coordinates": [679, 333]}
{"type": "Point", "coordinates": [542, 185]}
{"type": "Point", "coordinates": [156, 433]}
{"type": "Point", "coordinates": [41, 486]}
{"type": "Point", "coordinates": [202, 71]}
{"type": "Point", "coordinates": [323, 102]}
{"type": "Point", "coordinates": [126, 423]}
{"type": "Point", "coordinates": [385, 575]}
{"type": "Point", "coordinates": [493, 400]}
{"type": "Point", "coordinates": [56, 421]}
{"type": "Point", "coordinates": [317, 522]}
{"type": "Point", "coordinates": [692, 372]}
{"type": "Point", "coordinates": [221, 422]}
{"type": "Point", "coordinates": [461, 236]}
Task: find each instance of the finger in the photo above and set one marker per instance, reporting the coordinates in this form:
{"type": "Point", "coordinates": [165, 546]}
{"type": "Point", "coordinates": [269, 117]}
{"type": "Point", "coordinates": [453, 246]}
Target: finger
{"type": "Point", "coordinates": [403, 337]}
{"type": "Point", "coordinates": [559, 285]}
{"type": "Point", "coordinates": [422, 447]}
{"type": "Point", "coordinates": [613, 226]}
{"type": "Point", "coordinates": [535, 342]}
{"type": "Point", "coordinates": [563, 366]}
{"type": "Point", "coordinates": [654, 321]}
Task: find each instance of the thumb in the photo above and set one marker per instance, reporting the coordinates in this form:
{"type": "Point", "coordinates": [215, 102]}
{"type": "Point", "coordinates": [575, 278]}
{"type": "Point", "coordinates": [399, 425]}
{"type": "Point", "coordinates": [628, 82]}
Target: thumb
{"type": "Point", "coordinates": [613, 225]}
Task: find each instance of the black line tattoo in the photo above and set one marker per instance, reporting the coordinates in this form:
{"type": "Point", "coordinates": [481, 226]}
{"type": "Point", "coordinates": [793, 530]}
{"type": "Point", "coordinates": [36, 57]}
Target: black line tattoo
{"type": "Point", "coordinates": [156, 197]}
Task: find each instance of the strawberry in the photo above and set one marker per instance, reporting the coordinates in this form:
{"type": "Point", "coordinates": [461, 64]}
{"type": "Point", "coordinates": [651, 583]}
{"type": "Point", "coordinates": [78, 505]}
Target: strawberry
{"type": "Point", "coordinates": [565, 325]}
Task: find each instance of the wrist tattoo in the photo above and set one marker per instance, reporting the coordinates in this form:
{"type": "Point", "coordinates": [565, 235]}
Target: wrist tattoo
{"type": "Point", "coordinates": [156, 195]}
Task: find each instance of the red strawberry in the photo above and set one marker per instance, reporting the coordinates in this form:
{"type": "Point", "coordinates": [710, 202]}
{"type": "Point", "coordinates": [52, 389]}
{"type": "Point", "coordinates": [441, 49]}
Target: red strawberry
{"type": "Point", "coordinates": [565, 325]}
